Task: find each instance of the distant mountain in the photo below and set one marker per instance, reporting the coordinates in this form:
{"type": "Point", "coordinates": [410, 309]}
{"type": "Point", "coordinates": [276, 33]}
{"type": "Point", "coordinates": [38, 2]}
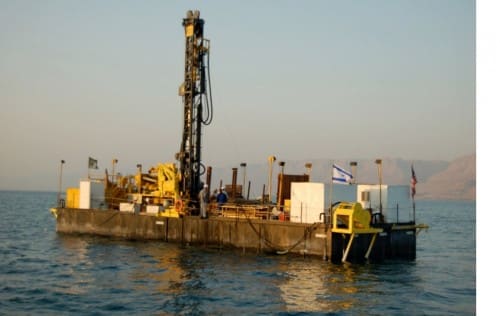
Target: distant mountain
{"type": "Point", "coordinates": [456, 182]}
{"type": "Point", "coordinates": [436, 179]}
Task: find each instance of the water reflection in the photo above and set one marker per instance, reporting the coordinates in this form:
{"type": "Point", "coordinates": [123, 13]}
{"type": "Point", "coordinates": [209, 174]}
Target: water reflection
{"type": "Point", "coordinates": [175, 275]}
{"type": "Point", "coordinates": [181, 280]}
{"type": "Point", "coordinates": [43, 272]}
{"type": "Point", "coordinates": [318, 287]}
{"type": "Point", "coordinates": [72, 264]}
{"type": "Point", "coordinates": [162, 269]}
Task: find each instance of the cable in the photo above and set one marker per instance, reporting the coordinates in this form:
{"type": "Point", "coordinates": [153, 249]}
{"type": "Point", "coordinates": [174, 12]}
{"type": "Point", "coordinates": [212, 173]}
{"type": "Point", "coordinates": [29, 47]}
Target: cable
{"type": "Point", "coordinates": [210, 108]}
{"type": "Point", "coordinates": [307, 231]}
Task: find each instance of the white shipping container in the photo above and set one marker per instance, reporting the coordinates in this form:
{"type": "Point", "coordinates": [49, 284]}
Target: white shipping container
{"type": "Point", "coordinates": [92, 195]}
{"type": "Point", "coordinates": [396, 202]}
{"type": "Point", "coordinates": [307, 202]}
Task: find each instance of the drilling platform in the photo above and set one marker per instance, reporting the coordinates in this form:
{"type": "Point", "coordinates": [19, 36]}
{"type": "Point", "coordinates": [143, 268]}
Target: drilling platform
{"type": "Point", "coordinates": [161, 203]}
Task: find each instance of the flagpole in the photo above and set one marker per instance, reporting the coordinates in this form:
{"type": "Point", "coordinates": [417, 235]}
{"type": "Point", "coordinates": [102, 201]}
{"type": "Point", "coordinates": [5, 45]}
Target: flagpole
{"type": "Point", "coordinates": [413, 202]}
{"type": "Point", "coordinates": [331, 192]}
{"type": "Point", "coordinates": [410, 210]}
{"type": "Point", "coordinates": [413, 183]}
{"type": "Point", "coordinates": [60, 184]}
{"type": "Point", "coordinates": [379, 168]}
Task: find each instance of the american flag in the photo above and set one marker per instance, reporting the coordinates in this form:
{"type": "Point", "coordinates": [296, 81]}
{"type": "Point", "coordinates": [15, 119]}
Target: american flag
{"type": "Point", "coordinates": [413, 182]}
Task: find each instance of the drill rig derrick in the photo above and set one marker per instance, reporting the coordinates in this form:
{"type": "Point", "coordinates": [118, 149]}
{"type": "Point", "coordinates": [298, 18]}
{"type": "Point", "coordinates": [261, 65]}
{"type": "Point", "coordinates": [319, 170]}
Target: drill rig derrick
{"type": "Point", "coordinates": [195, 98]}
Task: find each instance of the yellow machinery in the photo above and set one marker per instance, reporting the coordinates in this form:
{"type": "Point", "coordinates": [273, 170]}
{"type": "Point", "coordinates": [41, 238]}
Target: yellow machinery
{"type": "Point", "coordinates": [155, 192]}
{"type": "Point", "coordinates": [160, 183]}
{"type": "Point", "coordinates": [158, 189]}
{"type": "Point", "coordinates": [351, 219]}
{"type": "Point", "coordinates": [160, 186]}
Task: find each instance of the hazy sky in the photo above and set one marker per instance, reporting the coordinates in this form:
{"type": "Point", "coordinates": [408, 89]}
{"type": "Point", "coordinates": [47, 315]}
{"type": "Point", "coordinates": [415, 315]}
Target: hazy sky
{"type": "Point", "coordinates": [296, 79]}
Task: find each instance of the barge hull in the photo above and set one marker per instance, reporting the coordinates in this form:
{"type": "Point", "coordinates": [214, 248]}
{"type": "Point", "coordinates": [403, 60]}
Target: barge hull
{"type": "Point", "coordinates": [242, 233]}
{"type": "Point", "coordinates": [395, 244]}
{"type": "Point", "coordinates": [248, 235]}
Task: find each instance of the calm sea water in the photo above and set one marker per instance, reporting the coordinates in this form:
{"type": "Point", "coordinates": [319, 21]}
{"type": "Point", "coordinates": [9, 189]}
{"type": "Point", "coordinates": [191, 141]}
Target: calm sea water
{"type": "Point", "coordinates": [42, 272]}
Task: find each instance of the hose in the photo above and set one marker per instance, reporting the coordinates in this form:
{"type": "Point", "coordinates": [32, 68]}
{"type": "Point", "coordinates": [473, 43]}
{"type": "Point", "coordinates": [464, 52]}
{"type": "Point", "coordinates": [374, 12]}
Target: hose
{"type": "Point", "coordinates": [209, 108]}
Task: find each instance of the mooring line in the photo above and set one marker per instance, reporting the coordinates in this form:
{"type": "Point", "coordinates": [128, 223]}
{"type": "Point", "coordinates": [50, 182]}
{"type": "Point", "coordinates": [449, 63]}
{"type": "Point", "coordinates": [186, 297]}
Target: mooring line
{"type": "Point", "coordinates": [109, 218]}
{"type": "Point", "coordinates": [308, 230]}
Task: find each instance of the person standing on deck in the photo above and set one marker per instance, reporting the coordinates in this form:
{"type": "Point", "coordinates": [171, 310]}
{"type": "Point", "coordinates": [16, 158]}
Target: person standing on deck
{"type": "Point", "coordinates": [203, 196]}
{"type": "Point", "coordinates": [221, 198]}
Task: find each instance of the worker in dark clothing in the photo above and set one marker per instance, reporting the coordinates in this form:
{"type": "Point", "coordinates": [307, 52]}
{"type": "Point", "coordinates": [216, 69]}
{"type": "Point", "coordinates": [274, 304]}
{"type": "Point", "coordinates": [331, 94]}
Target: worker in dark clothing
{"type": "Point", "coordinates": [221, 198]}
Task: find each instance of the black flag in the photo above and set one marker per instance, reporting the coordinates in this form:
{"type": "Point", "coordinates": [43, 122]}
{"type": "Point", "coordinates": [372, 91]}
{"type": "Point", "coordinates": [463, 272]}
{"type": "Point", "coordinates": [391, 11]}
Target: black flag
{"type": "Point", "coordinates": [92, 163]}
{"type": "Point", "coordinates": [413, 182]}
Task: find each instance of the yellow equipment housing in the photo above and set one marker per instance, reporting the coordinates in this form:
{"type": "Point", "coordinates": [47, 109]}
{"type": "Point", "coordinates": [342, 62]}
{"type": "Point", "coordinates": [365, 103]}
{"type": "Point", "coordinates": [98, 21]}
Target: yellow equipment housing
{"type": "Point", "coordinates": [355, 220]}
{"type": "Point", "coordinates": [73, 197]}
{"type": "Point", "coordinates": [353, 216]}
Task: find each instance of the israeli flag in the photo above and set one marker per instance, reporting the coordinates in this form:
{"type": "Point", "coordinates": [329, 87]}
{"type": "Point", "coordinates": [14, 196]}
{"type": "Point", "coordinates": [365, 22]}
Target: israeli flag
{"type": "Point", "coordinates": [341, 176]}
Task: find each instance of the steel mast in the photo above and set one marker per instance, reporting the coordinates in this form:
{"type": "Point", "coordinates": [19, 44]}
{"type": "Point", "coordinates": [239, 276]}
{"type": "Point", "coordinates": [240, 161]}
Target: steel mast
{"type": "Point", "coordinates": [195, 99]}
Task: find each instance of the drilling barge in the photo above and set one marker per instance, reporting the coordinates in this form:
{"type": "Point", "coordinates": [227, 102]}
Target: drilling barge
{"type": "Point", "coordinates": [163, 202]}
